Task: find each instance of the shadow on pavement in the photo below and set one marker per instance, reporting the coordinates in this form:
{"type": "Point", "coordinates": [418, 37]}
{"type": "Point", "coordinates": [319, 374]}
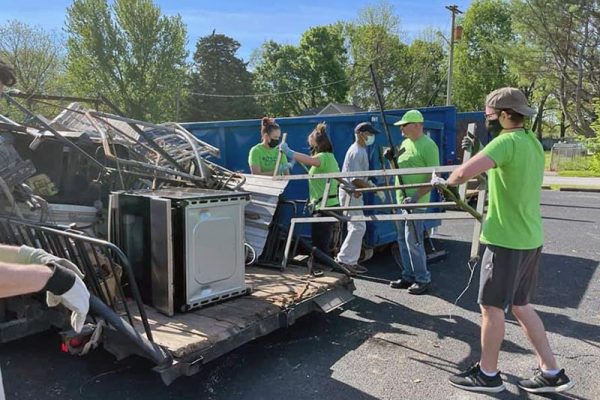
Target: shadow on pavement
{"type": "Point", "coordinates": [563, 280]}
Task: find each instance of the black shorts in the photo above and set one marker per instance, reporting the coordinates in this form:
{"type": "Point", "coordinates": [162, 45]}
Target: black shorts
{"type": "Point", "coordinates": [508, 277]}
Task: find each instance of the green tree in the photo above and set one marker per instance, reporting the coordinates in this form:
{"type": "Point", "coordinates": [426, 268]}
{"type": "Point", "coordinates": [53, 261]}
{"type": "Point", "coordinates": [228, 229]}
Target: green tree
{"type": "Point", "coordinates": [128, 52]}
{"type": "Point", "coordinates": [216, 70]}
{"type": "Point", "coordinates": [480, 61]}
{"type": "Point", "coordinates": [319, 60]}
{"type": "Point", "coordinates": [528, 61]}
{"type": "Point", "coordinates": [277, 71]}
{"type": "Point", "coordinates": [323, 59]}
{"type": "Point", "coordinates": [568, 35]}
{"type": "Point", "coordinates": [424, 75]}
{"type": "Point", "coordinates": [374, 38]}
{"type": "Point", "coordinates": [36, 55]}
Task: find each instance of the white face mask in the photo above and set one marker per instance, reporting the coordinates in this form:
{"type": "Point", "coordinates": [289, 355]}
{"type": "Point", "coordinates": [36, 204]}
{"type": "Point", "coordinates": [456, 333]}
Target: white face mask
{"type": "Point", "coordinates": [370, 139]}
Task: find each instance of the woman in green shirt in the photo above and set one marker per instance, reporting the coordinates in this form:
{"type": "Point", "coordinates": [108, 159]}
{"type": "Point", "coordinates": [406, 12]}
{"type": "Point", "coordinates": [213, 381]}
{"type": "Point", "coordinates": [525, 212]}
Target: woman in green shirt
{"type": "Point", "coordinates": [321, 161]}
{"type": "Point", "coordinates": [263, 157]}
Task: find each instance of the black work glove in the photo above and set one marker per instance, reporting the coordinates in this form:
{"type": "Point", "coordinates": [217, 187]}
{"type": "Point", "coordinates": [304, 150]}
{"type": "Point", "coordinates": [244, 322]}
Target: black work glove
{"type": "Point", "coordinates": [389, 154]}
{"type": "Point", "coordinates": [470, 143]}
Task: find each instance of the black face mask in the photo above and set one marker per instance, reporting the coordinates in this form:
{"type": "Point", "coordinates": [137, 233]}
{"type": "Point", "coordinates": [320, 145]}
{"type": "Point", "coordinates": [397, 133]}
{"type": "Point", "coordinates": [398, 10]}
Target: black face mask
{"type": "Point", "coordinates": [273, 143]}
{"type": "Point", "coordinates": [493, 127]}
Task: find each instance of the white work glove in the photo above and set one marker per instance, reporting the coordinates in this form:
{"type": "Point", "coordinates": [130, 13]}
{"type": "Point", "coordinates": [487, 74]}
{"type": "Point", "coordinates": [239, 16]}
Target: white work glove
{"type": "Point", "coordinates": [31, 255]}
{"type": "Point", "coordinates": [380, 194]}
{"type": "Point", "coordinates": [285, 149]}
{"type": "Point", "coordinates": [437, 181]}
{"type": "Point", "coordinates": [442, 185]}
{"type": "Point", "coordinates": [408, 200]}
{"type": "Point", "coordinates": [66, 288]}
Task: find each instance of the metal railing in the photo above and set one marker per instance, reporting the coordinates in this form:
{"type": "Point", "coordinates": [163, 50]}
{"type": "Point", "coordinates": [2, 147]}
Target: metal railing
{"type": "Point", "coordinates": [334, 212]}
{"type": "Point", "coordinates": [102, 262]}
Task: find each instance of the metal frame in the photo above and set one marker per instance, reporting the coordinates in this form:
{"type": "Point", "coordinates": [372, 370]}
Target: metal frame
{"type": "Point", "coordinates": [77, 248]}
{"type": "Point", "coordinates": [87, 253]}
{"type": "Point", "coordinates": [387, 217]}
{"type": "Point", "coordinates": [368, 174]}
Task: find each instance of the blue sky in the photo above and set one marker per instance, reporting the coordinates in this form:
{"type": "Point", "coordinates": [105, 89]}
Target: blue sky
{"type": "Point", "coordinates": [251, 22]}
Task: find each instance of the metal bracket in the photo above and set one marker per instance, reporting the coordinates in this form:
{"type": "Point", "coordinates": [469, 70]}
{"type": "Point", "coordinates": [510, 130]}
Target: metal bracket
{"type": "Point", "coordinates": [287, 318]}
{"type": "Point", "coordinates": [333, 299]}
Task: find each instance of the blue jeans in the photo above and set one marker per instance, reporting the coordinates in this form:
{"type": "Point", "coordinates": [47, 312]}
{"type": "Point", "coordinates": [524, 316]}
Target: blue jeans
{"type": "Point", "coordinates": [412, 251]}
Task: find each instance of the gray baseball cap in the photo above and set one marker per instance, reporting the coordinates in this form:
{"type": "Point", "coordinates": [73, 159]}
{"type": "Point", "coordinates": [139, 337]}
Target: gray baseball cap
{"type": "Point", "coordinates": [509, 98]}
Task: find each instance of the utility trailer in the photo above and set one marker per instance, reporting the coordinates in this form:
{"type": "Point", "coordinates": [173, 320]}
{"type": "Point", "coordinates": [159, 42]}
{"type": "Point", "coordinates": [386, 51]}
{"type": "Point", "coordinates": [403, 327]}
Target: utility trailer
{"type": "Point", "coordinates": [178, 345]}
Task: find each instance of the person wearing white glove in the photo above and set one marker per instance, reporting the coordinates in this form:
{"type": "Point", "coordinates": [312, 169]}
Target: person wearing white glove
{"type": "Point", "coordinates": [22, 270]}
{"type": "Point", "coordinates": [356, 159]}
{"type": "Point", "coordinates": [25, 270]}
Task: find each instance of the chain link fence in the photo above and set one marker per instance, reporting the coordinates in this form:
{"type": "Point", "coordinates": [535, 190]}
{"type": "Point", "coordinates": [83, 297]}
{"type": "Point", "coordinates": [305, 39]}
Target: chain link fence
{"type": "Point", "coordinates": [567, 156]}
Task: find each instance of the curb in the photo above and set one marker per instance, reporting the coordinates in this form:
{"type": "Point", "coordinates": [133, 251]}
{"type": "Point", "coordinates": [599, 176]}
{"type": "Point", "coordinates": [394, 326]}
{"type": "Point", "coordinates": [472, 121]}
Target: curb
{"type": "Point", "coordinates": [587, 190]}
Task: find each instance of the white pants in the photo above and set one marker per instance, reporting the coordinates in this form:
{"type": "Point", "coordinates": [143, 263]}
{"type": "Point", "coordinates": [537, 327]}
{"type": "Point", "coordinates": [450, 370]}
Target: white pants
{"type": "Point", "coordinates": [350, 251]}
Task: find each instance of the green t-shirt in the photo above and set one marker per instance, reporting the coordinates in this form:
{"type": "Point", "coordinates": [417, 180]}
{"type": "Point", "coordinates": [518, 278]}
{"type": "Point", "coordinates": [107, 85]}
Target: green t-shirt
{"type": "Point", "coordinates": [420, 153]}
{"type": "Point", "coordinates": [316, 187]}
{"type": "Point", "coordinates": [265, 158]}
{"type": "Point", "coordinates": [514, 219]}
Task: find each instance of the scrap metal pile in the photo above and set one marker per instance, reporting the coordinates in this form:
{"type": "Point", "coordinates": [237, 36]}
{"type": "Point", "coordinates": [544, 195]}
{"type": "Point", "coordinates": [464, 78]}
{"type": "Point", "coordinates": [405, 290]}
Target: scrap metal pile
{"type": "Point", "coordinates": [81, 155]}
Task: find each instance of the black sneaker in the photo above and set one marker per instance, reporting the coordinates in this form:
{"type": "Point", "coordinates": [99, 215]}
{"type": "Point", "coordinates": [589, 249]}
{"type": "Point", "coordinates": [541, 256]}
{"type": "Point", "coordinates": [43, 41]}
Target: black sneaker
{"type": "Point", "coordinates": [401, 284]}
{"type": "Point", "coordinates": [543, 384]}
{"type": "Point", "coordinates": [474, 380]}
{"type": "Point", "coordinates": [418, 288]}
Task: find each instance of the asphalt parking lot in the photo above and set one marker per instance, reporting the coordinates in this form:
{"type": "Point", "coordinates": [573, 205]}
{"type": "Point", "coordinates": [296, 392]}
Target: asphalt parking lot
{"type": "Point", "coordinates": [386, 344]}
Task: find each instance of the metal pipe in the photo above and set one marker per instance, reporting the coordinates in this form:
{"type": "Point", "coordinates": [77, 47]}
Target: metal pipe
{"type": "Point", "coordinates": [60, 137]}
{"type": "Point", "coordinates": [379, 172]}
{"type": "Point", "coordinates": [391, 206]}
{"type": "Point", "coordinates": [151, 350]}
{"type": "Point", "coordinates": [387, 217]}
{"type": "Point", "coordinates": [396, 187]}
{"type": "Point", "coordinates": [460, 203]}
{"type": "Point", "coordinates": [279, 153]}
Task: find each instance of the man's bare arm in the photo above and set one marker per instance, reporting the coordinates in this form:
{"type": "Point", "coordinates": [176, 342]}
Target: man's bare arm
{"type": "Point", "coordinates": [475, 166]}
{"type": "Point", "coordinates": [18, 279]}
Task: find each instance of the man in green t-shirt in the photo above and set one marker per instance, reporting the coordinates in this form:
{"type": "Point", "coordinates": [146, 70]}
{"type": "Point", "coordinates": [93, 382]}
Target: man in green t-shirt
{"type": "Point", "coordinates": [513, 234]}
{"type": "Point", "coordinates": [417, 150]}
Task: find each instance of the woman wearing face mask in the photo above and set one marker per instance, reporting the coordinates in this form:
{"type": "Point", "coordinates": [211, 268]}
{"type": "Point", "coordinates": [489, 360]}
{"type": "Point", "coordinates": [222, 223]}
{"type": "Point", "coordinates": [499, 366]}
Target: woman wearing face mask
{"type": "Point", "coordinates": [321, 161]}
{"type": "Point", "coordinates": [263, 157]}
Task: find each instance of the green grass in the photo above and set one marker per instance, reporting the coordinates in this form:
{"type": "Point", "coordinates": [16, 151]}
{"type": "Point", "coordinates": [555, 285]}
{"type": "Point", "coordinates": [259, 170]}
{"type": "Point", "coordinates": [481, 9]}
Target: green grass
{"type": "Point", "coordinates": [579, 174]}
{"type": "Point", "coordinates": [547, 155]}
{"type": "Point", "coordinates": [558, 187]}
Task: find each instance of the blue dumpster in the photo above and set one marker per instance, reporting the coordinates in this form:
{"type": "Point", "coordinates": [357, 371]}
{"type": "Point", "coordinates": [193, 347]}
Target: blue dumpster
{"type": "Point", "coordinates": [235, 138]}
